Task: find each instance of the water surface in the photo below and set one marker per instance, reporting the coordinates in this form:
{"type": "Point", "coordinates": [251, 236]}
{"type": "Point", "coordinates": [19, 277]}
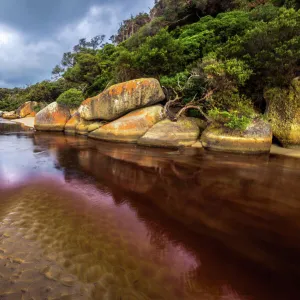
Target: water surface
{"type": "Point", "coordinates": [83, 219]}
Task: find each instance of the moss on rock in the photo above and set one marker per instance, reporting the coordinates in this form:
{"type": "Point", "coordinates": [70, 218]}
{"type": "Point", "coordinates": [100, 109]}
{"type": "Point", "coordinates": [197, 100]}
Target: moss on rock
{"type": "Point", "coordinates": [283, 111]}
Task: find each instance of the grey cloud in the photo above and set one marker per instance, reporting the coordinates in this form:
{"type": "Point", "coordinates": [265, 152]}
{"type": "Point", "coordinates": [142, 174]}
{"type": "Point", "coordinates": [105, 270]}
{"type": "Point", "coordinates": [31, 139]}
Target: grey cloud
{"type": "Point", "coordinates": [34, 33]}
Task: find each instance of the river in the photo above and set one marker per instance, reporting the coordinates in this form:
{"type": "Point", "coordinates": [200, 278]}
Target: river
{"type": "Point", "coordinates": [83, 219]}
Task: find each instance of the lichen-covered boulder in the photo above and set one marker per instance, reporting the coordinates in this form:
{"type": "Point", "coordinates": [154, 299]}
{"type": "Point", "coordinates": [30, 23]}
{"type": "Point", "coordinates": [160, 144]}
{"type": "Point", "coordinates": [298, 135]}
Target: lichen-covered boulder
{"type": "Point", "coordinates": [70, 126]}
{"type": "Point", "coordinates": [83, 126]}
{"type": "Point", "coordinates": [95, 125]}
{"type": "Point", "coordinates": [52, 118]}
{"type": "Point", "coordinates": [122, 98]}
{"type": "Point", "coordinates": [257, 138]}
{"type": "Point", "coordinates": [10, 115]}
{"type": "Point", "coordinates": [26, 109]}
{"type": "Point", "coordinates": [166, 133]}
{"type": "Point", "coordinates": [130, 127]}
{"type": "Point", "coordinates": [283, 111]}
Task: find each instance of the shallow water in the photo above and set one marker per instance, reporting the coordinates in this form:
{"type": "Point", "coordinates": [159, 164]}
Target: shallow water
{"type": "Point", "coordinates": [82, 219]}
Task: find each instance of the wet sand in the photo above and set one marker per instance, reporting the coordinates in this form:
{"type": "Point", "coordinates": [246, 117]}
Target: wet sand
{"type": "Point", "coordinates": [28, 121]}
{"type": "Point", "coordinates": [275, 149]}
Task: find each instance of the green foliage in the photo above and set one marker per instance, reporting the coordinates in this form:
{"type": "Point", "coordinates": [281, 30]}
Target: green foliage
{"type": "Point", "coordinates": [226, 52]}
{"type": "Point", "coordinates": [159, 55]}
{"type": "Point", "coordinates": [72, 98]}
{"type": "Point", "coordinates": [45, 91]}
{"type": "Point", "coordinates": [233, 120]}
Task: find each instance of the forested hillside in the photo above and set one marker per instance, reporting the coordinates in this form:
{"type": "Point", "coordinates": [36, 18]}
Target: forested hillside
{"type": "Point", "coordinates": [216, 58]}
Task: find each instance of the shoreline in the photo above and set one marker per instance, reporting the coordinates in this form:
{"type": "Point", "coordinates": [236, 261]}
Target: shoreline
{"type": "Point", "coordinates": [275, 149]}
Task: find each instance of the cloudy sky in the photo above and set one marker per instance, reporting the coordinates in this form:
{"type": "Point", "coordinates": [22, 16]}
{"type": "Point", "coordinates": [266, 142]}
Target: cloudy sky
{"type": "Point", "coordinates": [35, 33]}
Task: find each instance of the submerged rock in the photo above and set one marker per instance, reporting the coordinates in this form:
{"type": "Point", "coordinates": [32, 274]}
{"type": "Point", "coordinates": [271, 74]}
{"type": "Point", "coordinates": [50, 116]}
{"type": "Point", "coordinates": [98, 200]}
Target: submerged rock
{"type": "Point", "coordinates": [130, 127]}
{"type": "Point", "coordinates": [166, 133]}
{"type": "Point", "coordinates": [70, 127]}
{"type": "Point", "coordinates": [283, 111]}
{"type": "Point", "coordinates": [52, 118]}
{"type": "Point", "coordinates": [10, 115]}
{"type": "Point", "coordinates": [26, 109]}
{"type": "Point", "coordinates": [121, 98]}
{"type": "Point", "coordinates": [257, 138]}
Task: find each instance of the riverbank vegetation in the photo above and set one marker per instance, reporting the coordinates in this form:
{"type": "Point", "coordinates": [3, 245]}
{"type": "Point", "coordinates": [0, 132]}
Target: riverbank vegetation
{"type": "Point", "coordinates": [213, 58]}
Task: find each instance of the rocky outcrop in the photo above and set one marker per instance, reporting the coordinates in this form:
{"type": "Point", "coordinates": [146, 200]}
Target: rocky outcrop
{"type": "Point", "coordinates": [52, 118]}
{"type": "Point", "coordinates": [257, 138]}
{"type": "Point", "coordinates": [26, 109]}
{"type": "Point", "coordinates": [122, 98]}
{"type": "Point", "coordinates": [70, 127]}
{"type": "Point", "coordinates": [283, 111]}
{"type": "Point", "coordinates": [77, 125]}
{"type": "Point", "coordinates": [166, 133]}
{"type": "Point", "coordinates": [130, 127]}
{"type": "Point", "coordinates": [83, 127]}
{"type": "Point", "coordinates": [95, 126]}
{"type": "Point", "coordinates": [10, 115]}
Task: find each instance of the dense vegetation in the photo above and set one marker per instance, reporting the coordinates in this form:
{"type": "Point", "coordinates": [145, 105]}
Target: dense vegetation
{"type": "Point", "coordinates": [219, 56]}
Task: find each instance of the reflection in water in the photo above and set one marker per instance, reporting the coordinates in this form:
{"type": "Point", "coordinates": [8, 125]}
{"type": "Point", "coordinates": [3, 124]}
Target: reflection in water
{"type": "Point", "coordinates": [92, 220]}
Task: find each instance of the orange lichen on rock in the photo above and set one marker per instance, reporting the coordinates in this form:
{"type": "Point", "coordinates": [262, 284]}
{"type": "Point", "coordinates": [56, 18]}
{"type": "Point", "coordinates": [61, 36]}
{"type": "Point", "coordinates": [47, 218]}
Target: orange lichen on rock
{"type": "Point", "coordinates": [52, 118]}
{"type": "Point", "coordinates": [70, 127]}
{"type": "Point", "coordinates": [130, 127]}
{"type": "Point", "coordinates": [26, 109]}
{"type": "Point", "coordinates": [122, 98]}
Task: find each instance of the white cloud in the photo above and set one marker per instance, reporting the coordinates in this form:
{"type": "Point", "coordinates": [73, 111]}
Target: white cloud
{"type": "Point", "coordinates": [19, 57]}
{"type": "Point", "coordinates": [101, 19]}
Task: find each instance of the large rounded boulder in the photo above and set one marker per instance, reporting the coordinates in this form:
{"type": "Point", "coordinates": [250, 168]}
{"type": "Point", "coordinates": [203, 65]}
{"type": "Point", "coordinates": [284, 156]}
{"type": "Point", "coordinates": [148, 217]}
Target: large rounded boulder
{"type": "Point", "coordinates": [257, 138]}
{"type": "Point", "coordinates": [283, 111]}
{"type": "Point", "coordinates": [130, 127]}
{"type": "Point", "coordinates": [26, 109]}
{"type": "Point", "coordinates": [166, 133]}
{"type": "Point", "coordinates": [52, 118]}
{"type": "Point", "coordinates": [122, 98]}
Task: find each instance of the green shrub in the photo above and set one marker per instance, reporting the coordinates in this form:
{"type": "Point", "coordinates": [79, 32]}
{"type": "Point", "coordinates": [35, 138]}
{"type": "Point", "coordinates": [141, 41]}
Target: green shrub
{"type": "Point", "coordinates": [71, 98]}
{"type": "Point", "coordinates": [233, 120]}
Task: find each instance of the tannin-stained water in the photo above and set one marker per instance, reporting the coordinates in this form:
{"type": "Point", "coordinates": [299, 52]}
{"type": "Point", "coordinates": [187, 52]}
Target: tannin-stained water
{"type": "Point", "coordinates": [83, 219]}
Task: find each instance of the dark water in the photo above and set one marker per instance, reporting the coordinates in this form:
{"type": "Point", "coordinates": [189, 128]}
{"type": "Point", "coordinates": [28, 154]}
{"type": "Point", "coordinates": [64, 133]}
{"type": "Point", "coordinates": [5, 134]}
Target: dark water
{"type": "Point", "coordinates": [82, 219]}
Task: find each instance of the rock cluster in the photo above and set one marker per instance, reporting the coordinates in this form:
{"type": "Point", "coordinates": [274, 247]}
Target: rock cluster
{"type": "Point", "coordinates": [25, 110]}
{"type": "Point", "coordinates": [130, 112]}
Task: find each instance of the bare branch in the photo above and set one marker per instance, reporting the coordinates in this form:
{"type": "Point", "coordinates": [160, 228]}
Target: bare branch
{"type": "Point", "coordinates": [187, 107]}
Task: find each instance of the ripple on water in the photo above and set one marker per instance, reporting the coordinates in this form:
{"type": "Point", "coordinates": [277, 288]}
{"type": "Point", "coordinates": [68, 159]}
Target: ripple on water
{"type": "Point", "coordinates": [78, 251]}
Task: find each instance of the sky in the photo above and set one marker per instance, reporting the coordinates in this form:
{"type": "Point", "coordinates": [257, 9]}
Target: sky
{"type": "Point", "coordinates": [34, 34]}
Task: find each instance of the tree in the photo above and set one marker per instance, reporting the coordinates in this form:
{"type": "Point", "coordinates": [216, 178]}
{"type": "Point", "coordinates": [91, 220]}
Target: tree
{"type": "Point", "coordinates": [57, 71]}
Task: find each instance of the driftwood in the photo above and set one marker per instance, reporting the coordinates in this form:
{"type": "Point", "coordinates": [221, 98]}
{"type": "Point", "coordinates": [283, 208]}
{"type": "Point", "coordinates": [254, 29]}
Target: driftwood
{"type": "Point", "coordinates": [172, 112]}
